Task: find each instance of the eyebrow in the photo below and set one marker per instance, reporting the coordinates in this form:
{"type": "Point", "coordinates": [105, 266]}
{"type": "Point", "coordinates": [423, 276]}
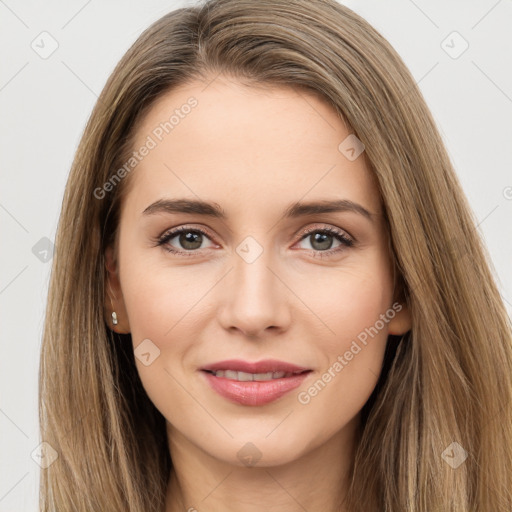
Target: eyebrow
{"type": "Point", "coordinates": [294, 210]}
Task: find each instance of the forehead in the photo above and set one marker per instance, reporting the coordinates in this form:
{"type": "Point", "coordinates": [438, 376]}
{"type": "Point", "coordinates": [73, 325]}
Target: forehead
{"type": "Point", "coordinates": [248, 147]}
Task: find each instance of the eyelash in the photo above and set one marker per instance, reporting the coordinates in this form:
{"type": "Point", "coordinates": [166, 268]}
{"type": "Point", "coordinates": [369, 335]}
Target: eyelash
{"type": "Point", "coordinates": [339, 235]}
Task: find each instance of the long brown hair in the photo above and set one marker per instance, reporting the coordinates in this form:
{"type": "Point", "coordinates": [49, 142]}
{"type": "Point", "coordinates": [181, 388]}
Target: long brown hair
{"type": "Point", "coordinates": [449, 381]}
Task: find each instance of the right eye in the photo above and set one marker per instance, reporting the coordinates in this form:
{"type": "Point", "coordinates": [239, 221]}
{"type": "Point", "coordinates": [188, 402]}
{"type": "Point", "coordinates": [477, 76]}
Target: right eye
{"type": "Point", "coordinates": [190, 239]}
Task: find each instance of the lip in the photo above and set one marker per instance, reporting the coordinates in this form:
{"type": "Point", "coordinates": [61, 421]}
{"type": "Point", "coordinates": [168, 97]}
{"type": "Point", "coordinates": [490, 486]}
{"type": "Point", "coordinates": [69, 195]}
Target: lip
{"type": "Point", "coordinates": [264, 366]}
{"type": "Point", "coordinates": [254, 393]}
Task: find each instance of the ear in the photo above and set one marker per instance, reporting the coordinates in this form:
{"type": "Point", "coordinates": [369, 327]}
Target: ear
{"type": "Point", "coordinates": [401, 322]}
{"type": "Point", "coordinates": [114, 296]}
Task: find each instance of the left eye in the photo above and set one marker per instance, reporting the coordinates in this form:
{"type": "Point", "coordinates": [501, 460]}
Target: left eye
{"type": "Point", "coordinates": [321, 240]}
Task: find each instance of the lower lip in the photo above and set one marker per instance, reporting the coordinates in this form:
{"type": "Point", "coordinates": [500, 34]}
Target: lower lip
{"type": "Point", "coordinates": [254, 392]}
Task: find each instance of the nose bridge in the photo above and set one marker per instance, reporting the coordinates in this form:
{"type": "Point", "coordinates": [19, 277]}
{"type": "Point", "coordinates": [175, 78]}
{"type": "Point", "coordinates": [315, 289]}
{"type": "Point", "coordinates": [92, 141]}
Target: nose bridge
{"type": "Point", "coordinates": [255, 297]}
{"type": "Point", "coordinates": [253, 279]}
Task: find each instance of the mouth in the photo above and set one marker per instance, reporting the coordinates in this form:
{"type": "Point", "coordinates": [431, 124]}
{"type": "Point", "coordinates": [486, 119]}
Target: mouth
{"type": "Point", "coordinates": [254, 384]}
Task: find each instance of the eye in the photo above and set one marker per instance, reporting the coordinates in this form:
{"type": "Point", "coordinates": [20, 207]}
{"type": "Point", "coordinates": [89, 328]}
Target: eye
{"type": "Point", "coordinates": [321, 241]}
{"type": "Point", "coordinates": [190, 240]}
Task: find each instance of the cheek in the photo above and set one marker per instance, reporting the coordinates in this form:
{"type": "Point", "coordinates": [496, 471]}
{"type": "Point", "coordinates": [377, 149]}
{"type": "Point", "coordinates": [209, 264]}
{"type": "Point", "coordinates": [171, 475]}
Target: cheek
{"type": "Point", "coordinates": [160, 307]}
{"type": "Point", "coordinates": [355, 314]}
{"type": "Point", "coordinates": [159, 300]}
{"type": "Point", "coordinates": [351, 299]}
{"type": "Point", "coordinates": [358, 306]}
{"type": "Point", "coordinates": [164, 305]}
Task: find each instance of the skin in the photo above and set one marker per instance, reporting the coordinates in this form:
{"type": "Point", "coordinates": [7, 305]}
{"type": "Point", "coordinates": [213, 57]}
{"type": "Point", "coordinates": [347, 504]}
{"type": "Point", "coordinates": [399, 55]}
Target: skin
{"type": "Point", "coordinates": [253, 151]}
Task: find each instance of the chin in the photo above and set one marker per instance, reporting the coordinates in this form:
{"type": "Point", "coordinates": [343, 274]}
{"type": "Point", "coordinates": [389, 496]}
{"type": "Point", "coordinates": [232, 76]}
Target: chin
{"type": "Point", "coordinates": [259, 450]}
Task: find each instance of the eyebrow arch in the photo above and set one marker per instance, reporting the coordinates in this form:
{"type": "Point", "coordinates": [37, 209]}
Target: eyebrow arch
{"type": "Point", "coordinates": [296, 209]}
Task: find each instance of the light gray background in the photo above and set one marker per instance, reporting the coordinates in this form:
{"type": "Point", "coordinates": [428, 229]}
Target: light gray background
{"type": "Point", "coordinates": [46, 102]}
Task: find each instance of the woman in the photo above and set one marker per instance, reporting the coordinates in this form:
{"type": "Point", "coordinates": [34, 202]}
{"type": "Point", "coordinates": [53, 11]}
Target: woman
{"type": "Point", "coordinates": [268, 291]}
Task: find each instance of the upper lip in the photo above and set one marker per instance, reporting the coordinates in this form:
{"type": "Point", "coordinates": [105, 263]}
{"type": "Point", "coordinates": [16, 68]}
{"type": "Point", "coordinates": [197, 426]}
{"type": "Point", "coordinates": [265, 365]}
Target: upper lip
{"type": "Point", "coordinates": [265, 366]}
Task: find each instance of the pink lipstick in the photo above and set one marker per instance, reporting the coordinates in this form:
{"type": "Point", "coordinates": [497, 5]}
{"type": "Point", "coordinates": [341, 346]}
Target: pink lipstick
{"type": "Point", "coordinates": [254, 383]}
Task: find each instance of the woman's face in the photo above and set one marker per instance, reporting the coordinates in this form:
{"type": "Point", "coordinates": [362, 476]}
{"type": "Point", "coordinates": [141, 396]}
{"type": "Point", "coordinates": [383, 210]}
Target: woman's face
{"type": "Point", "coordinates": [254, 275]}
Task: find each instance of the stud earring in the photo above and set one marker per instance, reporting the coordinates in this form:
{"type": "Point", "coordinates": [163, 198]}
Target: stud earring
{"type": "Point", "coordinates": [114, 314]}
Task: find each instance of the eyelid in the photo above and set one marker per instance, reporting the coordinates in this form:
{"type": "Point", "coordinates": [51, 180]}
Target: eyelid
{"type": "Point", "coordinates": [327, 227]}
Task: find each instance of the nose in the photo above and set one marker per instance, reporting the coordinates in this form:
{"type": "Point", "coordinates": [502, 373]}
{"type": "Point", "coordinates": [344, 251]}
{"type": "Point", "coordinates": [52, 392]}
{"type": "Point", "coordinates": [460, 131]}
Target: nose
{"type": "Point", "coordinates": [255, 299]}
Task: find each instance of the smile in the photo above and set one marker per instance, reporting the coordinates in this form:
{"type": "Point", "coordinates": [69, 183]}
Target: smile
{"type": "Point", "coordinates": [254, 389]}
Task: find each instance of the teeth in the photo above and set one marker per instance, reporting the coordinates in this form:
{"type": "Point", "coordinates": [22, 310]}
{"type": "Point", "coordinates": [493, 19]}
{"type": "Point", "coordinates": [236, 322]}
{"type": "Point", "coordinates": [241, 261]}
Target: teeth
{"type": "Point", "coordinates": [268, 376]}
{"type": "Point", "coordinates": [245, 377]}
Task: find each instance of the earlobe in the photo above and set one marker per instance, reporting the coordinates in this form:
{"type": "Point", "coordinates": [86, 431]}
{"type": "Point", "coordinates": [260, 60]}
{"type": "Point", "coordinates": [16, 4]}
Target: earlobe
{"type": "Point", "coordinates": [401, 322]}
{"type": "Point", "coordinates": [116, 316]}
